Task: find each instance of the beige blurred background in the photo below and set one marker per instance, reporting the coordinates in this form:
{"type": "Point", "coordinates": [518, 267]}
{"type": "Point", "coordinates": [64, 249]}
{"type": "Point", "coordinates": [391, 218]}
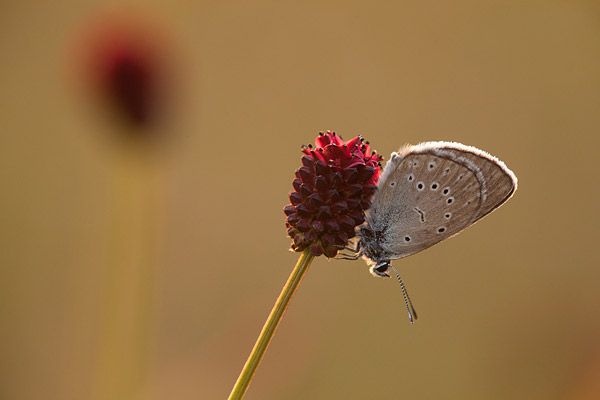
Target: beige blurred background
{"type": "Point", "coordinates": [147, 274]}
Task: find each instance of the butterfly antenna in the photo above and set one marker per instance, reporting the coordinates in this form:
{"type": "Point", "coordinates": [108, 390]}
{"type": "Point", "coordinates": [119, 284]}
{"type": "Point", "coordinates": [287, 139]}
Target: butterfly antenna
{"type": "Point", "coordinates": [409, 307]}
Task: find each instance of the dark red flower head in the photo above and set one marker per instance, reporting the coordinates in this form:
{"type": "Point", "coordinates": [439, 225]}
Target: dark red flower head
{"type": "Point", "coordinates": [332, 191]}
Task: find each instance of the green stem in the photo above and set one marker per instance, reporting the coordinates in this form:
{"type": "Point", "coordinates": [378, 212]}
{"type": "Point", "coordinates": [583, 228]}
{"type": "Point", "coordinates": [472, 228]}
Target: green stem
{"type": "Point", "coordinates": [241, 386]}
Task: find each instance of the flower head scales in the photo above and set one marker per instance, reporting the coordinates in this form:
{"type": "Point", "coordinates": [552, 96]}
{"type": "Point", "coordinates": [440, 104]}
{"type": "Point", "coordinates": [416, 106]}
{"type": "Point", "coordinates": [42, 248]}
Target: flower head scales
{"type": "Point", "coordinates": [332, 191]}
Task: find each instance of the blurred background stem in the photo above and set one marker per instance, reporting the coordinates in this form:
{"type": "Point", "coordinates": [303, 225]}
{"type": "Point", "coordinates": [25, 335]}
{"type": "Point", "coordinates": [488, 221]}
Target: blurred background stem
{"type": "Point", "coordinates": [128, 281]}
{"type": "Point", "coordinates": [243, 381]}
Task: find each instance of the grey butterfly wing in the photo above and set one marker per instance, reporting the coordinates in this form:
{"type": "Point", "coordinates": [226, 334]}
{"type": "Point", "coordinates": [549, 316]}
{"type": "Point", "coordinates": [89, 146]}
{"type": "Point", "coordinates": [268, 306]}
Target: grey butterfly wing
{"type": "Point", "coordinates": [432, 191]}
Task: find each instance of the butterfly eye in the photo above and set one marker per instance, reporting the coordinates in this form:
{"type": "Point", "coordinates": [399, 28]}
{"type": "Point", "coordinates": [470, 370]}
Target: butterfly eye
{"type": "Point", "coordinates": [446, 191]}
{"type": "Point", "coordinates": [450, 200]}
{"type": "Point", "coordinates": [407, 239]}
{"type": "Point", "coordinates": [383, 268]}
{"type": "Point", "coordinates": [434, 186]}
{"type": "Point", "coordinates": [420, 186]}
{"type": "Point", "coordinates": [410, 177]}
{"type": "Point", "coordinates": [441, 230]}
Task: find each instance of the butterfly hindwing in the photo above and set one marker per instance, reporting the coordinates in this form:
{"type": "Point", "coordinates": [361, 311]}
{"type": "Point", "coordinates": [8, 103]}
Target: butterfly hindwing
{"type": "Point", "coordinates": [432, 191]}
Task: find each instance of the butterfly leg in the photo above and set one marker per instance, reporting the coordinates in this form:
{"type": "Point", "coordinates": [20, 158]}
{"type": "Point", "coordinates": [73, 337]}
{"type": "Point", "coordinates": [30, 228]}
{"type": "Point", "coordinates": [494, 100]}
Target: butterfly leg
{"type": "Point", "coordinates": [355, 250]}
{"type": "Point", "coordinates": [356, 253]}
{"type": "Point", "coordinates": [344, 256]}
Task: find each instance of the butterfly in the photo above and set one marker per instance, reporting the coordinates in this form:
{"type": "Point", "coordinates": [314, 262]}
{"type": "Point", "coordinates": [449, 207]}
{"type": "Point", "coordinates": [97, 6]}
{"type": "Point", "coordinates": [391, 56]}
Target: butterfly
{"type": "Point", "coordinates": [427, 193]}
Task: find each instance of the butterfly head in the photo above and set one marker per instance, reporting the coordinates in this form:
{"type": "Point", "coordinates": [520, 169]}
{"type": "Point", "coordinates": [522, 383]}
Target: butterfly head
{"type": "Point", "coordinates": [379, 270]}
{"type": "Point", "coordinates": [371, 243]}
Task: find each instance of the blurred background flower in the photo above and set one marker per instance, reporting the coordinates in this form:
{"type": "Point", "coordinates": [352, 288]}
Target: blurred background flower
{"type": "Point", "coordinates": [123, 64]}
